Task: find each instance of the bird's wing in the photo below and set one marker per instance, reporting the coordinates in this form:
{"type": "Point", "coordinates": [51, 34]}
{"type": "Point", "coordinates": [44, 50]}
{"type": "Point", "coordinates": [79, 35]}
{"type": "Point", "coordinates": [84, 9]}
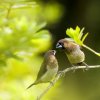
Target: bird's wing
{"type": "Point", "coordinates": [42, 70]}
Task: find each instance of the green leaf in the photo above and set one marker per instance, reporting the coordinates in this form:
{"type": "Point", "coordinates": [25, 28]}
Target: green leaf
{"type": "Point", "coordinates": [81, 33]}
{"type": "Point", "coordinates": [77, 30]}
{"type": "Point", "coordinates": [84, 37]}
{"type": "Point", "coordinates": [76, 34]}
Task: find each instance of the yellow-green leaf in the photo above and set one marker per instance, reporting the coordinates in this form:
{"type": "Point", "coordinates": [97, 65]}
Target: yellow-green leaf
{"type": "Point", "coordinates": [84, 37]}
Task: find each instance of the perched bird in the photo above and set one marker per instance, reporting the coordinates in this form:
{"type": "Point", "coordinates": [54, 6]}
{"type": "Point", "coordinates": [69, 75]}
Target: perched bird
{"type": "Point", "coordinates": [73, 51]}
{"type": "Point", "coordinates": [48, 69]}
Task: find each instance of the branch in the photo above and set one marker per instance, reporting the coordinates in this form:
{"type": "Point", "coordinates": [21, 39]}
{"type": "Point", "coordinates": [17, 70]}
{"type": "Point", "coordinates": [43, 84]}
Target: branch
{"type": "Point", "coordinates": [60, 74]}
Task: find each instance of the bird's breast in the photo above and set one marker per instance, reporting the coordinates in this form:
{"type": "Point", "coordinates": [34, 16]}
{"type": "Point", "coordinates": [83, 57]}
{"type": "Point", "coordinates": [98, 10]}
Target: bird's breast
{"type": "Point", "coordinates": [50, 74]}
{"type": "Point", "coordinates": [76, 57]}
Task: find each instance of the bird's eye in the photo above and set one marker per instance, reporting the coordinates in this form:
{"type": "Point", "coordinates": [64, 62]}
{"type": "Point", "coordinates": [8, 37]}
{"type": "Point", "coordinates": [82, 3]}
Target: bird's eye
{"type": "Point", "coordinates": [60, 43]}
{"type": "Point", "coordinates": [54, 52]}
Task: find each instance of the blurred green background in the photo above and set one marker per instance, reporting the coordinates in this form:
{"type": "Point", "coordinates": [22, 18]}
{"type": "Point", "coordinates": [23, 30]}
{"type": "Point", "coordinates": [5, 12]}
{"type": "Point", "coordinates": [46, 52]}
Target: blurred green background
{"type": "Point", "coordinates": [30, 28]}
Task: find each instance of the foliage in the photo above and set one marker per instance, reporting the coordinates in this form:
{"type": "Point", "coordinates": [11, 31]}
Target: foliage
{"type": "Point", "coordinates": [23, 37]}
{"type": "Point", "coordinates": [77, 36]}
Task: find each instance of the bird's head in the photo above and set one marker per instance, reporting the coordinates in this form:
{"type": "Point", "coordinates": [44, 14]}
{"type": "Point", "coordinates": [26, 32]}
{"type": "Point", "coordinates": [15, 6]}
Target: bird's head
{"type": "Point", "coordinates": [65, 44]}
{"type": "Point", "coordinates": [50, 56]}
{"type": "Point", "coordinates": [51, 52]}
{"type": "Point", "coordinates": [62, 44]}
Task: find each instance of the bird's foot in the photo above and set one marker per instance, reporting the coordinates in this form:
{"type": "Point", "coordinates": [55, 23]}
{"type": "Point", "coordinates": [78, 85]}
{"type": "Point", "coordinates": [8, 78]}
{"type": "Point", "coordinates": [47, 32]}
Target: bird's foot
{"type": "Point", "coordinates": [52, 83]}
{"type": "Point", "coordinates": [74, 68]}
{"type": "Point", "coordinates": [83, 64]}
{"type": "Point", "coordinates": [87, 67]}
{"type": "Point", "coordinates": [62, 73]}
{"type": "Point", "coordinates": [84, 69]}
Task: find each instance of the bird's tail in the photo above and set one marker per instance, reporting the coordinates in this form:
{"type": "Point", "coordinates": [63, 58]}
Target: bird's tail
{"type": "Point", "coordinates": [36, 82]}
{"type": "Point", "coordinates": [31, 85]}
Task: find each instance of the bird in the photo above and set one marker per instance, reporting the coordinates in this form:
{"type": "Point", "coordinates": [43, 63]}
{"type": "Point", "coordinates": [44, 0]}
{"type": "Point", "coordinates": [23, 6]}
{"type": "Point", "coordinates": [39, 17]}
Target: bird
{"type": "Point", "coordinates": [73, 51]}
{"type": "Point", "coordinates": [48, 69]}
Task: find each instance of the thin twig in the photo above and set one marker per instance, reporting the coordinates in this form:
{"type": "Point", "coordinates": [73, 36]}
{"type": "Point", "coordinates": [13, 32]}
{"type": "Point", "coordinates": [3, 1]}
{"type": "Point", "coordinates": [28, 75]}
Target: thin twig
{"type": "Point", "coordinates": [8, 11]}
{"type": "Point", "coordinates": [98, 54]}
{"type": "Point", "coordinates": [60, 74]}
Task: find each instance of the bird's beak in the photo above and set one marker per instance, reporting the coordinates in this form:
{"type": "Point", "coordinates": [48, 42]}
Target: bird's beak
{"type": "Point", "coordinates": [58, 46]}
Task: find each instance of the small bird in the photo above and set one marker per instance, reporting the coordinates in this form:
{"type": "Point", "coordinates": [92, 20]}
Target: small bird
{"type": "Point", "coordinates": [73, 51]}
{"type": "Point", "coordinates": [48, 69]}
